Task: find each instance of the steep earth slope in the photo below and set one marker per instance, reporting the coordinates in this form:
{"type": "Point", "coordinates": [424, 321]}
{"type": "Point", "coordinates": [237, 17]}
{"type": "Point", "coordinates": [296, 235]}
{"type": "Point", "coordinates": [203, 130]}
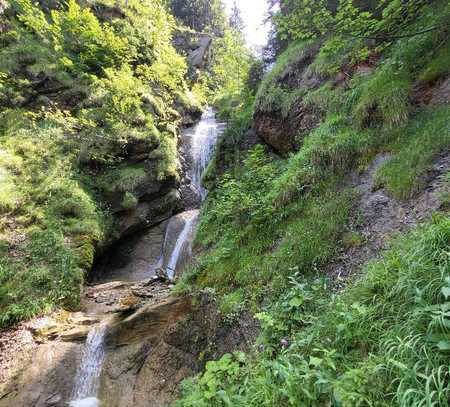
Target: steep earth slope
{"type": "Point", "coordinates": [334, 228]}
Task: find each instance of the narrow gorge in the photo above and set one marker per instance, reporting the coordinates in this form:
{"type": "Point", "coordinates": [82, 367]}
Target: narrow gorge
{"type": "Point", "coordinates": [215, 203]}
{"type": "Point", "coordinates": [119, 338]}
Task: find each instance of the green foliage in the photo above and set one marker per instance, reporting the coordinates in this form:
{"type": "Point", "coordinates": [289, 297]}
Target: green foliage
{"type": "Point", "coordinates": [232, 304]}
{"type": "Point", "coordinates": [225, 370]}
{"type": "Point", "coordinates": [271, 225]}
{"type": "Point", "coordinates": [306, 19]}
{"type": "Point", "coordinates": [243, 254]}
{"type": "Point", "coordinates": [80, 44]}
{"type": "Point", "coordinates": [228, 151]}
{"type": "Point", "coordinates": [273, 96]}
{"type": "Point", "coordinates": [87, 45]}
{"type": "Point", "coordinates": [129, 201]}
{"type": "Point", "coordinates": [200, 15]}
{"type": "Point", "coordinates": [52, 224]}
{"type": "Point", "coordinates": [79, 92]}
{"type": "Point", "coordinates": [381, 342]}
{"type": "Point", "coordinates": [230, 66]}
{"type": "Point", "coordinates": [47, 273]}
{"type": "Point", "coordinates": [438, 66]}
{"type": "Point", "coordinates": [416, 145]}
{"type": "Point", "coordinates": [384, 98]}
{"type": "Point", "coordinates": [124, 179]}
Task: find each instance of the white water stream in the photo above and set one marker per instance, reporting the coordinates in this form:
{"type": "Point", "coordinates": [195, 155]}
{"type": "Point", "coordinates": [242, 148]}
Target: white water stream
{"type": "Point", "coordinates": [181, 243]}
{"type": "Point", "coordinates": [201, 140]}
{"type": "Point", "coordinates": [87, 380]}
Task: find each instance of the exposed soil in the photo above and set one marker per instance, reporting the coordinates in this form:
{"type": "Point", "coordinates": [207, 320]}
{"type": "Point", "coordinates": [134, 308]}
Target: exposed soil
{"type": "Point", "coordinates": [378, 216]}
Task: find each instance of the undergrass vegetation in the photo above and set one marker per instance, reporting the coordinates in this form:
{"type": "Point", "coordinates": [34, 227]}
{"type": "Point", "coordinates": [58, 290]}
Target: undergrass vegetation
{"type": "Point", "coordinates": [415, 145]}
{"type": "Point", "coordinates": [381, 342]}
{"type": "Point", "coordinates": [245, 227]}
{"type": "Point", "coordinates": [82, 88]}
{"type": "Point", "coordinates": [272, 226]}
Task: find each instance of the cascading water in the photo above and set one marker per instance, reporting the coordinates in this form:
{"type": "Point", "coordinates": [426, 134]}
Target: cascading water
{"type": "Point", "coordinates": [201, 141]}
{"type": "Point", "coordinates": [180, 244]}
{"type": "Point", "coordinates": [87, 380]}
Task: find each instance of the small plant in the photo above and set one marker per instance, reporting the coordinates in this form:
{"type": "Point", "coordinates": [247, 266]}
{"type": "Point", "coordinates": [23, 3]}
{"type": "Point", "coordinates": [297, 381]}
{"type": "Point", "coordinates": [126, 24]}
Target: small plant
{"type": "Point", "coordinates": [129, 201]}
{"type": "Point", "coordinates": [352, 239]}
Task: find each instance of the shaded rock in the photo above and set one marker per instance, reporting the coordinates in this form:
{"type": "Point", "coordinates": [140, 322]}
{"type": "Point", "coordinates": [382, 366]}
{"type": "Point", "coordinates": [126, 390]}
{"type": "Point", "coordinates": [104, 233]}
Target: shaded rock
{"type": "Point", "coordinates": [284, 130]}
{"type": "Point", "coordinates": [199, 56]}
{"type": "Point", "coordinates": [196, 46]}
{"type": "Point", "coordinates": [147, 214]}
{"type": "Point", "coordinates": [45, 327]}
{"type": "Point", "coordinates": [139, 149]}
{"type": "Point", "coordinates": [81, 319]}
{"type": "Point", "coordinates": [149, 321]}
{"type": "Point", "coordinates": [75, 334]}
{"type": "Point", "coordinates": [378, 216]}
{"type": "Point", "coordinates": [47, 378]}
{"type": "Point", "coordinates": [151, 363]}
{"type": "Point", "coordinates": [120, 297]}
{"type": "Point", "coordinates": [145, 187]}
{"type": "Point", "coordinates": [441, 93]}
{"type": "Point", "coordinates": [285, 134]}
{"type": "Point", "coordinates": [132, 259]}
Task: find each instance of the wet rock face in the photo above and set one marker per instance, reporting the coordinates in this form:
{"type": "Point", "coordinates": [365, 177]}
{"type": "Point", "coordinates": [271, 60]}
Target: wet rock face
{"type": "Point", "coordinates": [175, 237]}
{"type": "Point", "coordinates": [133, 259]}
{"type": "Point", "coordinates": [147, 214]}
{"type": "Point", "coordinates": [152, 351]}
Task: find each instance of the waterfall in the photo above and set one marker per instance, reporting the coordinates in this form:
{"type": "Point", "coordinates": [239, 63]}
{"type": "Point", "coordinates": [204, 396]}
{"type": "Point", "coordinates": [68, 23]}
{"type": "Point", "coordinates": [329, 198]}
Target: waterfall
{"type": "Point", "coordinates": [87, 380]}
{"type": "Point", "coordinates": [179, 245]}
{"type": "Point", "coordinates": [203, 138]}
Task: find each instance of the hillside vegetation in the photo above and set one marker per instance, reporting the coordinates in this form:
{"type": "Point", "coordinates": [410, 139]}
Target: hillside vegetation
{"type": "Point", "coordinates": [92, 95]}
{"type": "Point", "coordinates": [356, 81]}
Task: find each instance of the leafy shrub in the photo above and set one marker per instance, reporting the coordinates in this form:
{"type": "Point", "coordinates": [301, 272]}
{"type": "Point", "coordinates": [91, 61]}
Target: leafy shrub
{"type": "Point", "coordinates": [77, 93]}
{"type": "Point", "coordinates": [381, 342]}
{"type": "Point", "coordinates": [129, 201]}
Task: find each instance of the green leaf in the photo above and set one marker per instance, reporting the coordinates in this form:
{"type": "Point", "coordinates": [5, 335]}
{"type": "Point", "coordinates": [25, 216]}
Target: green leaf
{"type": "Point", "coordinates": [314, 361]}
{"type": "Point", "coordinates": [444, 345]}
{"type": "Point", "coordinates": [296, 302]}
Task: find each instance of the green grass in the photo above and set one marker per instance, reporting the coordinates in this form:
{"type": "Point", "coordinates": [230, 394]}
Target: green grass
{"type": "Point", "coordinates": [259, 244]}
{"type": "Point", "coordinates": [382, 342]}
{"type": "Point", "coordinates": [271, 96]}
{"type": "Point", "coordinates": [109, 88]}
{"type": "Point", "coordinates": [382, 99]}
{"type": "Point", "coordinates": [415, 148]}
{"type": "Point", "coordinates": [50, 227]}
{"type": "Point", "coordinates": [46, 273]}
{"type": "Point", "coordinates": [270, 226]}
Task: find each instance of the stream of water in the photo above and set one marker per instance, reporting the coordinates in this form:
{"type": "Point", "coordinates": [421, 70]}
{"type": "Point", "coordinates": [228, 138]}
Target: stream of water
{"type": "Point", "coordinates": [201, 140]}
{"type": "Point", "coordinates": [87, 380]}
